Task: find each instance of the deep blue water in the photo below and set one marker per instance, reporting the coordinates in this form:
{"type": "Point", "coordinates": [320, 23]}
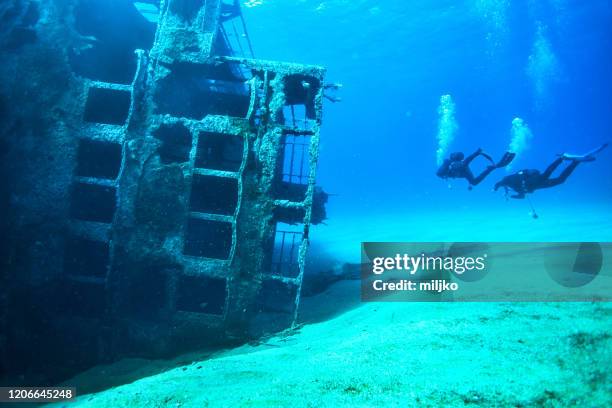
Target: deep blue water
{"type": "Point", "coordinates": [396, 58]}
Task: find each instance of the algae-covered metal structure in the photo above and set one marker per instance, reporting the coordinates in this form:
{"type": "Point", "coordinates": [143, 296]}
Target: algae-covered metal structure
{"type": "Point", "coordinates": [170, 186]}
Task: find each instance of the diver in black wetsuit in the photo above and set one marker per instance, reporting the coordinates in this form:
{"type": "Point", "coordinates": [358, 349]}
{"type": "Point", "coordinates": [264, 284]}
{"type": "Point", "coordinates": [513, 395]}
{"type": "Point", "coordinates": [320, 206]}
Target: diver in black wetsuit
{"type": "Point", "coordinates": [529, 180]}
{"type": "Point", "coordinates": [458, 166]}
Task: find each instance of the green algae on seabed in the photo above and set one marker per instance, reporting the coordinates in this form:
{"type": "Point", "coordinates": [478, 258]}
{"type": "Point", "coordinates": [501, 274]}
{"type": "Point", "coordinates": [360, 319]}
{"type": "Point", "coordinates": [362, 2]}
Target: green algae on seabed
{"type": "Point", "coordinates": [404, 354]}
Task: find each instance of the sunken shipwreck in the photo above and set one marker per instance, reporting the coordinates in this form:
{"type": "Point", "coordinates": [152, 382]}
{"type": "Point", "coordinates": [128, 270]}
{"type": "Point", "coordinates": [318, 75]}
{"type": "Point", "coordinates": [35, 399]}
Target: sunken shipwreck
{"type": "Point", "coordinates": [161, 182]}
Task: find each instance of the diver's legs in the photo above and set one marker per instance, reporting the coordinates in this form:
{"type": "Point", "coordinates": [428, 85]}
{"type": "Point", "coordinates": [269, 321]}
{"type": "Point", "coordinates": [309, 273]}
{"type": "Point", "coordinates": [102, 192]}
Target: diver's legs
{"type": "Point", "coordinates": [469, 176]}
{"type": "Point", "coordinates": [553, 166]}
{"type": "Point", "coordinates": [485, 173]}
{"type": "Point", "coordinates": [562, 177]}
{"type": "Point", "coordinates": [590, 156]}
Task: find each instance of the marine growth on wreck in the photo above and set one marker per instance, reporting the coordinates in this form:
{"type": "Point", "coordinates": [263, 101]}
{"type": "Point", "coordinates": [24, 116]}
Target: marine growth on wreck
{"type": "Point", "coordinates": [168, 192]}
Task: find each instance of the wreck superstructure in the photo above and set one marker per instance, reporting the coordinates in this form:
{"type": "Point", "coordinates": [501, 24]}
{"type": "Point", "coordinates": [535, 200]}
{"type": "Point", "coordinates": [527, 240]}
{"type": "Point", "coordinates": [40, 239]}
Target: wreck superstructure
{"type": "Point", "coordinates": [189, 193]}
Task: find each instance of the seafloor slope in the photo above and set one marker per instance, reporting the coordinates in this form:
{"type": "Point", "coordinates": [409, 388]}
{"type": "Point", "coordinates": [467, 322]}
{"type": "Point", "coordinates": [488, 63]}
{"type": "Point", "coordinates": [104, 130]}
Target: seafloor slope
{"type": "Point", "coordinates": [401, 354]}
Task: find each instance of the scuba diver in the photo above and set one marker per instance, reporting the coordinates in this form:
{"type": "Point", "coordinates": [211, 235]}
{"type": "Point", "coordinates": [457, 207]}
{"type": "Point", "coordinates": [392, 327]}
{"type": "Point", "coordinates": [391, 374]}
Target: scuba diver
{"type": "Point", "coordinates": [458, 166]}
{"type": "Point", "coordinates": [528, 180]}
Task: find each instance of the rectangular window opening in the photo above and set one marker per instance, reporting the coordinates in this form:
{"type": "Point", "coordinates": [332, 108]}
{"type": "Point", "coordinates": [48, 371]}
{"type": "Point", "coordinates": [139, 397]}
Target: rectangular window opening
{"type": "Point", "coordinates": [219, 151]}
{"type": "Point", "coordinates": [286, 250]}
{"type": "Point", "coordinates": [109, 106]}
{"type": "Point", "coordinates": [92, 202]}
{"type": "Point", "coordinates": [209, 239]}
{"type": "Point", "coordinates": [300, 90]}
{"type": "Point", "coordinates": [293, 171]}
{"type": "Point", "coordinates": [98, 159]}
{"type": "Point", "coordinates": [201, 294]}
{"type": "Point", "coordinates": [295, 117]}
{"type": "Point", "coordinates": [296, 159]}
{"type": "Point", "coordinates": [214, 195]}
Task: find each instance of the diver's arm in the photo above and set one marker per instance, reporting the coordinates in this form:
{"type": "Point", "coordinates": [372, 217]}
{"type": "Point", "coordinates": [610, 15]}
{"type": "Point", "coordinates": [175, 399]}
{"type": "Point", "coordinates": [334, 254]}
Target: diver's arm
{"type": "Point", "coordinates": [519, 194]}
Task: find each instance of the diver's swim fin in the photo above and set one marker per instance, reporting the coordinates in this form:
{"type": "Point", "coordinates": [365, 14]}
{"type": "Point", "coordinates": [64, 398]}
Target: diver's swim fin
{"type": "Point", "coordinates": [599, 149]}
{"type": "Point", "coordinates": [587, 157]}
{"type": "Point", "coordinates": [506, 159]}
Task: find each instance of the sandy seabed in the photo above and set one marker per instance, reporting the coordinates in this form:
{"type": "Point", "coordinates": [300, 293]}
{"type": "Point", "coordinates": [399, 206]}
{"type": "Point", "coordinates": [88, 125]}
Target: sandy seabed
{"type": "Point", "coordinates": [403, 354]}
{"type": "Point", "coordinates": [357, 354]}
